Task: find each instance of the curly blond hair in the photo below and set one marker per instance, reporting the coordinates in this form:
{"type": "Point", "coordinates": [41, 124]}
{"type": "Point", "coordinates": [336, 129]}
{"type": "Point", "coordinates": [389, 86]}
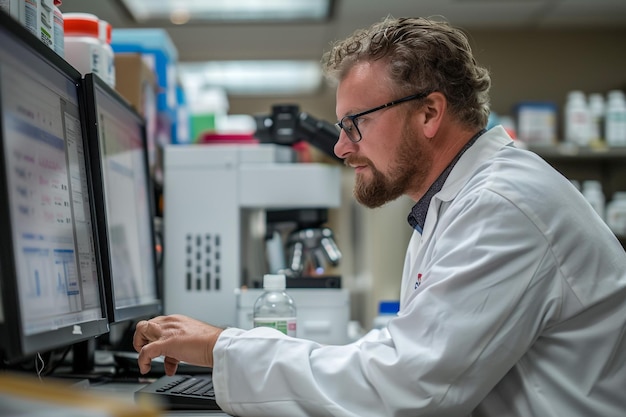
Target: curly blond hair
{"type": "Point", "coordinates": [423, 55]}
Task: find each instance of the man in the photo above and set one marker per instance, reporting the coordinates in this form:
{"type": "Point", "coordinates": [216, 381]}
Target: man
{"type": "Point", "coordinates": [513, 297]}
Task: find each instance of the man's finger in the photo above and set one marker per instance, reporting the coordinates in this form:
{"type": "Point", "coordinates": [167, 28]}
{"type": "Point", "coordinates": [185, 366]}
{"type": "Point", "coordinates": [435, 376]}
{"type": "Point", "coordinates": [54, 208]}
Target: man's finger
{"type": "Point", "coordinates": [145, 363]}
{"type": "Point", "coordinates": [170, 365]}
{"type": "Point", "coordinates": [145, 332]}
{"type": "Point", "coordinates": [146, 354]}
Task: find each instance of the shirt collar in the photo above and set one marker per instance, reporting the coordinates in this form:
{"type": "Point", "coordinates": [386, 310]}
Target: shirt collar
{"type": "Point", "coordinates": [417, 216]}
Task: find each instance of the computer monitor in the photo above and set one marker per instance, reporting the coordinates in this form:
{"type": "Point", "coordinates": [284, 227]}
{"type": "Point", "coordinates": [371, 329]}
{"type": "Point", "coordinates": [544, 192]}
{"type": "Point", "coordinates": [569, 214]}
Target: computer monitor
{"type": "Point", "coordinates": [51, 283]}
{"type": "Point", "coordinates": [122, 178]}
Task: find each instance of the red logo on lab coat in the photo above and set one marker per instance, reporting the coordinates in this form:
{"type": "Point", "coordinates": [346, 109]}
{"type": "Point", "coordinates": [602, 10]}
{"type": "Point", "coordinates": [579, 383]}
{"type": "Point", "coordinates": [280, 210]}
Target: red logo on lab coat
{"type": "Point", "coordinates": [418, 281]}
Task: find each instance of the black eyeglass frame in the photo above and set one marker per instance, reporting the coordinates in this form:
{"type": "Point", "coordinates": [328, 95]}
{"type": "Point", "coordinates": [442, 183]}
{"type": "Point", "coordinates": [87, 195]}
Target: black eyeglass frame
{"type": "Point", "coordinates": [352, 117]}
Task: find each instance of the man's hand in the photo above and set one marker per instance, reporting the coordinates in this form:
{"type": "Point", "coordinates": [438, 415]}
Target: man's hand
{"type": "Point", "coordinates": [178, 338]}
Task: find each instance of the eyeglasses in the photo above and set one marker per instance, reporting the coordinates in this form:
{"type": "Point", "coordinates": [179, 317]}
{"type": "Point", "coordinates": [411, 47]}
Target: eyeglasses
{"type": "Point", "coordinates": [349, 123]}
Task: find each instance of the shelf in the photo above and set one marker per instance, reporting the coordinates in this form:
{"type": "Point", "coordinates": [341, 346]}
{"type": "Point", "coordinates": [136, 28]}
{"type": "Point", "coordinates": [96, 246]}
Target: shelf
{"type": "Point", "coordinates": [572, 152]}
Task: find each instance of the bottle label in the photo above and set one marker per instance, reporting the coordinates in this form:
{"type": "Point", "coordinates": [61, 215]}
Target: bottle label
{"type": "Point", "coordinates": [286, 326]}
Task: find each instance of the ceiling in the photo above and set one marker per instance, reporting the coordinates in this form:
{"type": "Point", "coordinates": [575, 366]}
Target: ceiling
{"type": "Point", "coordinates": [213, 41]}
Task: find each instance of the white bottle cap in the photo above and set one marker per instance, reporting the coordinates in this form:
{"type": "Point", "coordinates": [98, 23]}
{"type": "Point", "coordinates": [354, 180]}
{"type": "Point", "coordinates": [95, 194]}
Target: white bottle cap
{"type": "Point", "coordinates": [274, 282]}
{"type": "Point", "coordinates": [576, 95]}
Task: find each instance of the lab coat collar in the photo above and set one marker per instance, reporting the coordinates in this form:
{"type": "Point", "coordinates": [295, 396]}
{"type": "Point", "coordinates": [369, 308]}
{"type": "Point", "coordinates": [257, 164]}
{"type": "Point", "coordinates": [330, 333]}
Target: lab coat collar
{"type": "Point", "coordinates": [485, 147]}
{"type": "Point", "coordinates": [417, 216]}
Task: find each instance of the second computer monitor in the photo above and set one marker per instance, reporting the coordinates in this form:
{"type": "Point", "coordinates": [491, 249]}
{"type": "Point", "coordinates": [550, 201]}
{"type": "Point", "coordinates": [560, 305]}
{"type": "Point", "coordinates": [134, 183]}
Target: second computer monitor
{"type": "Point", "coordinates": [122, 176]}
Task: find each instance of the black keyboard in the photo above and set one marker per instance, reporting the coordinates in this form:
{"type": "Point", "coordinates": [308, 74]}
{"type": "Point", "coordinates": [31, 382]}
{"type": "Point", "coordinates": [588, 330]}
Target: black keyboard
{"type": "Point", "coordinates": [181, 392]}
{"type": "Point", "coordinates": [126, 363]}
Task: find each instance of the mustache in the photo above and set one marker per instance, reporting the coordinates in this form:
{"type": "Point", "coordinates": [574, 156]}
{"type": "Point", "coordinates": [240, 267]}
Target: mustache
{"type": "Point", "coordinates": [357, 160]}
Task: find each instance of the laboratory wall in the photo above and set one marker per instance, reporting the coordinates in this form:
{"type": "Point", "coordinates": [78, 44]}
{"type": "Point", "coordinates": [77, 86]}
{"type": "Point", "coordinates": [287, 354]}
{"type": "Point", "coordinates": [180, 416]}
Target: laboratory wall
{"type": "Point", "coordinates": [524, 65]}
{"type": "Point", "coordinates": [536, 65]}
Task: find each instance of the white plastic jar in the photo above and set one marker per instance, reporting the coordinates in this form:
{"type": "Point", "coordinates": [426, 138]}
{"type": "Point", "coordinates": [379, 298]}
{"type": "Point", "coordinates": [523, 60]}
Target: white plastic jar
{"type": "Point", "coordinates": [616, 213]}
{"type": "Point", "coordinates": [107, 62]}
{"type": "Point", "coordinates": [577, 119]}
{"type": "Point", "coordinates": [592, 190]}
{"type": "Point", "coordinates": [615, 119]}
{"type": "Point", "coordinates": [83, 49]}
{"type": "Point", "coordinates": [596, 111]}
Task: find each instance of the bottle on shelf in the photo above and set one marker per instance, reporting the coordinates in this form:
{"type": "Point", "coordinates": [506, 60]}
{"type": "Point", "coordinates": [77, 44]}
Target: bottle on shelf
{"type": "Point", "coordinates": [45, 22]}
{"type": "Point", "coordinates": [616, 213]}
{"type": "Point", "coordinates": [596, 111]}
{"type": "Point", "coordinates": [615, 119]}
{"type": "Point", "coordinates": [86, 47]}
{"type": "Point", "coordinates": [40, 17]}
{"type": "Point", "coordinates": [27, 15]}
{"type": "Point", "coordinates": [58, 30]}
{"type": "Point", "coordinates": [107, 63]}
{"type": "Point", "coordinates": [592, 191]}
{"type": "Point", "coordinates": [577, 119]}
{"type": "Point", "coordinates": [11, 7]}
{"type": "Point", "coordinates": [275, 308]}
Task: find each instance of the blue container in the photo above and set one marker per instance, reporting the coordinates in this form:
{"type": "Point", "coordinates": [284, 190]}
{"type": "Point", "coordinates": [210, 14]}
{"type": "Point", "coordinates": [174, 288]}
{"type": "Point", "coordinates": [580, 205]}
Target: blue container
{"type": "Point", "coordinates": [387, 310]}
{"type": "Point", "coordinates": [159, 52]}
{"type": "Point", "coordinates": [388, 307]}
{"type": "Point", "coordinates": [181, 126]}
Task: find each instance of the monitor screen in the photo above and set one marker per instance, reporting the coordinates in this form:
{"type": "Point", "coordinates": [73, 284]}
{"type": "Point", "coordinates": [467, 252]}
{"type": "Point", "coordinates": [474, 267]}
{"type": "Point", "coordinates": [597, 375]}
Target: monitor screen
{"type": "Point", "coordinates": [121, 168]}
{"type": "Point", "coordinates": [50, 267]}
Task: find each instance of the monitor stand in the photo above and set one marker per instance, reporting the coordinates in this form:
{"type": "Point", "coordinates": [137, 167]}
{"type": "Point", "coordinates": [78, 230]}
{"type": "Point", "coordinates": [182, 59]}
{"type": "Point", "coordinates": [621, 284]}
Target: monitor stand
{"type": "Point", "coordinates": [84, 357]}
{"type": "Point", "coordinates": [82, 366]}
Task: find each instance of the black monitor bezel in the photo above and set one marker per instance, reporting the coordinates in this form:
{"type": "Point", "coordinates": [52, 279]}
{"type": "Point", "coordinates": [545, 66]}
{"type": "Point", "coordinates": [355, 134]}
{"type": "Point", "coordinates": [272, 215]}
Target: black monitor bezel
{"type": "Point", "coordinates": [145, 310]}
{"type": "Point", "coordinates": [14, 345]}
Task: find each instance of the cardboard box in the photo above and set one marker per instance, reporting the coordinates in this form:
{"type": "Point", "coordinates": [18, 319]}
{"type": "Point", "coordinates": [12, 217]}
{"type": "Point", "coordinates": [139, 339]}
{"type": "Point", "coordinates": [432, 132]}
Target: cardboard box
{"type": "Point", "coordinates": [136, 82]}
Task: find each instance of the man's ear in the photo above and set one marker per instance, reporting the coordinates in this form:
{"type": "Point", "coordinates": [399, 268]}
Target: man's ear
{"type": "Point", "coordinates": [434, 109]}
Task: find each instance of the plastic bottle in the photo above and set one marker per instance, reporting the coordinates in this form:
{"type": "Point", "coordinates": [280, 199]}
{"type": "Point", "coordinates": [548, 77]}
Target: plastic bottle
{"type": "Point", "coordinates": [107, 63]}
{"type": "Point", "coordinates": [275, 308]}
{"type": "Point", "coordinates": [592, 191]}
{"type": "Point", "coordinates": [12, 7]}
{"type": "Point", "coordinates": [45, 23]}
{"type": "Point", "coordinates": [83, 49]}
{"type": "Point", "coordinates": [28, 12]}
{"type": "Point", "coordinates": [616, 213]}
{"type": "Point", "coordinates": [386, 311]}
{"type": "Point", "coordinates": [596, 110]}
{"type": "Point", "coordinates": [58, 30]}
{"type": "Point", "coordinates": [577, 119]}
{"type": "Point", "coordinates": [615, 120]}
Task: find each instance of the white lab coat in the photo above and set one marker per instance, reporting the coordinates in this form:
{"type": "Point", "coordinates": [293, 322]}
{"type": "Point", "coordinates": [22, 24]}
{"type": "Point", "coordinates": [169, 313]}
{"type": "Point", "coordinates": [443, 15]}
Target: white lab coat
{"type": "Point", "coordinates": [513, 303]}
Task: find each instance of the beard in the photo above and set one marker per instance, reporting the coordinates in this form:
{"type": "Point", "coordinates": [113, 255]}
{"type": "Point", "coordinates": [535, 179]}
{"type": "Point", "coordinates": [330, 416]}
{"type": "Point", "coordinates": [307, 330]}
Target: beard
{"type": "Point", "coordinates": [409, 168]}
